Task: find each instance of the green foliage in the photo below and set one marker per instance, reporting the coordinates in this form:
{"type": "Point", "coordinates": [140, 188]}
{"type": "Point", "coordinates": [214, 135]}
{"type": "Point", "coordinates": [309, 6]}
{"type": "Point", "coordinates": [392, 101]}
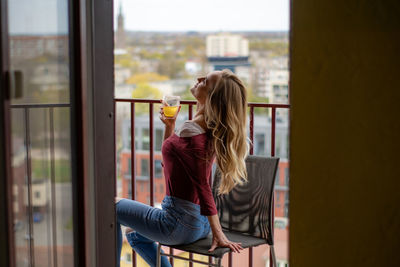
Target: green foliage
{"type": "Point", "coordinates": [126, 61]}
{"type": "Point", "coordinates": [171, 65]}
{"type": "Point", "coordinates": [251, 97]}
{"type": "Point", "coordinates": [141, 78]}
{"type": "Point", "coordinates": [69, 224]}
{"type": "Point", "coordinates": [42, 169]}
{"type": "Point", "coordinates": [186, 95]}
{"type": "Point", "coordinates": [275, 48]}
{"type": "Point", "coordinates": [144, 90]}
{"type": "Point", "coordinates": [144, 54]}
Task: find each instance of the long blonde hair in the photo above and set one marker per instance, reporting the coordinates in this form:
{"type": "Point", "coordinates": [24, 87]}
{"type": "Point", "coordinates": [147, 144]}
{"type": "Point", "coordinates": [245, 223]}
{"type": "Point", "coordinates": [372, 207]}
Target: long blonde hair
{"type": "Point", "coordinates": [225, 116]}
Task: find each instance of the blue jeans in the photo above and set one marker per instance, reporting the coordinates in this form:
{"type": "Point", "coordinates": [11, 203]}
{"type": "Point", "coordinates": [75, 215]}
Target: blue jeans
{"type": "Point", "coordinates": [178, 222]}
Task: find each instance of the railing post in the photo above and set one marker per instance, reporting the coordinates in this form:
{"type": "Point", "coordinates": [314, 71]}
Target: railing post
{"type": "Point", "coordinates": [151, 135]}
{"type": "Point", "coordinates": [251, 129]}
{"type": "Point", "coordinates": [29, 187]}
{"type": "Point", "coordinates": [171, 259]}
{"type": "Point", "coordinates": [53, 188]}
{"type": "Point", "coordinates": [190, 258]}
{"type": "Point", "coordinates": [273, 132]}
{"type": "Point", "coordinates": [251, 257]}
{"type": "Point", "coordinates": [190, 111]}
{"type": "Point", "coordinates": [133, 170]}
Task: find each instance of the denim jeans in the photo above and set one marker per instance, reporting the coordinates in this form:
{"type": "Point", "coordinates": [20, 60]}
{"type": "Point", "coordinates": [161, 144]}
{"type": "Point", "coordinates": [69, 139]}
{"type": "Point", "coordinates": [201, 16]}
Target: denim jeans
{"type": "Point", "coordinates": [178, 222]}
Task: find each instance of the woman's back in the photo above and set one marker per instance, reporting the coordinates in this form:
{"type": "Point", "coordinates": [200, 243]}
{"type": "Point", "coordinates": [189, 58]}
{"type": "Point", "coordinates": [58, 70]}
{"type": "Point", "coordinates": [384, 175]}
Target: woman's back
{"type": "Point", "coordinates": [187, 162]}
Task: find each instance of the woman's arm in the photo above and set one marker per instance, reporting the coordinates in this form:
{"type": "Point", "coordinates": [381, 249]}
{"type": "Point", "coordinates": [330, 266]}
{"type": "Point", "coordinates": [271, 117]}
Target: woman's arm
{"type": "Point", "coordinates": [219, 238]}
{"type": "Point", "coordinates": [169, 130]}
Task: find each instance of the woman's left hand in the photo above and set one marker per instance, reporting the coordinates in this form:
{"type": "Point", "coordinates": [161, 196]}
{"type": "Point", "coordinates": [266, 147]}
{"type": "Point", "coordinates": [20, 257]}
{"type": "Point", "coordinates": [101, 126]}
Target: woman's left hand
{"type": "Point", "coordinates": [220, 240]}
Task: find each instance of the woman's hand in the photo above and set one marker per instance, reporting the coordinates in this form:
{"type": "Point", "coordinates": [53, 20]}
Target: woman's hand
{"type": "Point", "coordinates": [168, 121]}
{"type": "Point", "coordinates": [220, 240]}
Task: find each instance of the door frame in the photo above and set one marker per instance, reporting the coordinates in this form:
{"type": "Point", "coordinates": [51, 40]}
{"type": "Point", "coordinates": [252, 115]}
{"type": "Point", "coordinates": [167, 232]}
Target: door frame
{"type": "Point", "coordinates": [7, 257]}
{"type": "Point", "coordinates": [92, 126]}
{"type": "Point", "coordinates": [101, 95]}
{"type": "Point", "coordinates": [96, 131]}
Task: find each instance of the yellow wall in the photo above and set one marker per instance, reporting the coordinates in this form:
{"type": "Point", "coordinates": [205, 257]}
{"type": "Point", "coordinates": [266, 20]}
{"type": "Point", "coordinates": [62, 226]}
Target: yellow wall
{"type": "Point", "coordinates": [345, 131]}
{"type": "Point", "coordinates": [181, 263]}
{"type": "Point", "coordinates": [126, 249]}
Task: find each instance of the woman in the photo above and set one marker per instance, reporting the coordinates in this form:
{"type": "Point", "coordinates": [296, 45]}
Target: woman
{"type": "Point", "coordinates": [218, 131]}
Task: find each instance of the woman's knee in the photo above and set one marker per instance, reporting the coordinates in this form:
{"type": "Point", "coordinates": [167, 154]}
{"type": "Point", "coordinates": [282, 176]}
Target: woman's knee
{"type": "Point", "coordinates": [134, 238]}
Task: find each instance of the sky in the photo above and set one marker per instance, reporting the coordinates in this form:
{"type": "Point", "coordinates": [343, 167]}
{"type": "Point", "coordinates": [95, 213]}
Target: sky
{"type": "Point", "coordinates": [33, 16]}
{"type": "Point", "coordinates": [38, 16]}
{"type": "Point", "coordinates": [204, 15]}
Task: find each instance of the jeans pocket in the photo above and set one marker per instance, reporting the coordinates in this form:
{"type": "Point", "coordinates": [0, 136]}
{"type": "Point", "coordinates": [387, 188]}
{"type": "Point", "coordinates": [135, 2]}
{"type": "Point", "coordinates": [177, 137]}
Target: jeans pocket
{"type": "Point", "coordinates": [187, 230]}
{"type": "Point", "coordinates": [190, 222]}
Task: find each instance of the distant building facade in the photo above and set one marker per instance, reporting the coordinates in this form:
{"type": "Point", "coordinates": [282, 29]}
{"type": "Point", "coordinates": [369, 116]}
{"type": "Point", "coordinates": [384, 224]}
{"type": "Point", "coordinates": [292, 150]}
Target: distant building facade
{"type": "Point", "coordinates": [278, 86]}
{"type": "Point", "coordinates": [227, 45]}
{"type": "Point", "coordinates": [25, 47]}
{"type": "Point", "coordinates": [227, 51]}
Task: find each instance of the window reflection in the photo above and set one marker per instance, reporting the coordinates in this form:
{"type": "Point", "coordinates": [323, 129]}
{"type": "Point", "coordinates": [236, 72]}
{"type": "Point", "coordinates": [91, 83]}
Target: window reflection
{"type": "Point", "coordinates": [41, 156]}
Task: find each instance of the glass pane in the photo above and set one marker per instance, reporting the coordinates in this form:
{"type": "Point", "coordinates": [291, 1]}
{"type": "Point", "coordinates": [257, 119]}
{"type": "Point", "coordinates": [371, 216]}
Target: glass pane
{"type": "Point", "coordinates": [40, 112]}
{"type": "Point", "coordinates": [19, 168]}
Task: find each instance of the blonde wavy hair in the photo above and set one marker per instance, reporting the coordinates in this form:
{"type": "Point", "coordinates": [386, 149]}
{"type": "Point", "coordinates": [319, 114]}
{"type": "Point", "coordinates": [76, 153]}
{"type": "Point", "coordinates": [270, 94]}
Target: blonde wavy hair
{"type": "Point", "coordinates": [225, 116]}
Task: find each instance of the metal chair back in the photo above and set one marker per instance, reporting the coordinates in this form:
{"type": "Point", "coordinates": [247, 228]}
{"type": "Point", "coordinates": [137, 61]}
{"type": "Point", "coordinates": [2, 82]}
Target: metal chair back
{"type": "Point", "coordinates": [248, 208]}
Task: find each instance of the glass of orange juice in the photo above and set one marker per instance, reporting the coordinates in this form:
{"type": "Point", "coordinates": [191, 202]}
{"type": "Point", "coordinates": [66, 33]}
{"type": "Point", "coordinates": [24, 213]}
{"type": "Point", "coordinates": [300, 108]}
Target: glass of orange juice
{"type": "Point", "coordinates": [171, 105]}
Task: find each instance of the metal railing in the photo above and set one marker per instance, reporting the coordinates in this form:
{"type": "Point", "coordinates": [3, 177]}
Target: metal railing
{"type": "Point", "coordinates": [189, 104]}
{"type": "Point", "coordinates": [26, 111]}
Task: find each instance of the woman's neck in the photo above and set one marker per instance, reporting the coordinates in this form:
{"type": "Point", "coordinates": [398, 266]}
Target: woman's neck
{"type": "Point", "coordinates": [199, 116]}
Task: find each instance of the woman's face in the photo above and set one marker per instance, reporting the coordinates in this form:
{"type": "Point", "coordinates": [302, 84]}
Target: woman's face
{"type": "Point", "coordinates": [204, 84]}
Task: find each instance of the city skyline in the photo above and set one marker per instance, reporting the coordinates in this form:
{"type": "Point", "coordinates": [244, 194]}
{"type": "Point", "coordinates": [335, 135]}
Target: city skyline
{"type": "Point", "coordinates": [178, 15]}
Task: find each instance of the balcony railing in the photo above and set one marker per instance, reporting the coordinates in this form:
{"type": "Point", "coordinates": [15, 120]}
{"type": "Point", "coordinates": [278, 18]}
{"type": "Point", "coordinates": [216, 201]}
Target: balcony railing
{"type": "Point", "coordinates": [151, 103]}
{"type": "Point", "coordinates": [26, 111]}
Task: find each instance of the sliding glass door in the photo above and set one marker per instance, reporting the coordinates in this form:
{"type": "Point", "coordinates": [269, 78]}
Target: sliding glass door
{"type": "Point", "coordinates": [36, 55]}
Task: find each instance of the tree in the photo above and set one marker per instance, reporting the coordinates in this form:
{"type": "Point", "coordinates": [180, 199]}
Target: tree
{"type": "Point", "coordinates": [251, 97]}
{"type": "Point", "coordinates": [144, 90]}
{"type": "Point", "coordinates": [142, 78]}
{"type": "Point", "coordinates": [171, 66]}
{"type": "Point", "coordinates": [275, 48]}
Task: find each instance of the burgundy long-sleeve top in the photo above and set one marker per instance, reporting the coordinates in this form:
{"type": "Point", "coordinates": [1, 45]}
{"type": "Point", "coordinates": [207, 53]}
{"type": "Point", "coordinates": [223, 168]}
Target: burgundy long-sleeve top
{"type": "Point", "coordinates": [187, 165]}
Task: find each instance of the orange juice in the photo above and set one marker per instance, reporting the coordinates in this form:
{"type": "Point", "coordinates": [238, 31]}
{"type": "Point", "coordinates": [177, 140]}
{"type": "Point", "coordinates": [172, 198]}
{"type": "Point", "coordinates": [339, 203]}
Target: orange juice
{"type": "Point", "coordinates": [170, 111]}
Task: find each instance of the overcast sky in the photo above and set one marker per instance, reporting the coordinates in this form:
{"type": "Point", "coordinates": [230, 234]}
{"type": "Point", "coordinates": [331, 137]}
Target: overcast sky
{"type": "Point", "coordinates": [38, 16]}
{"type": "Point", "coordinates": [205, 15]}
{"type": "Point", "coordinates": [51, 17]}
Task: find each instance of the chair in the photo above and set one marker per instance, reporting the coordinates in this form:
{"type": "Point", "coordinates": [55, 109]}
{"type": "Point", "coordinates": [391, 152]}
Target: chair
{"type": "Point", "coordinates": [246, 213]}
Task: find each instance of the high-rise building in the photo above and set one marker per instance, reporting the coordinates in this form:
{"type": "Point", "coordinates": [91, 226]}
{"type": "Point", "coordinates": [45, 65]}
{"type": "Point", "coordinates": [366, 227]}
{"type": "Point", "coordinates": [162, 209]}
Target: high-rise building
{"type": "Point", "coordinates": [227, 51]}
{"type": "Point", "coordinates": [227, 45]}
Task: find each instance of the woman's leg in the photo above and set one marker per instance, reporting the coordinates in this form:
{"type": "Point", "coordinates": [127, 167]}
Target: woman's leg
{"type": "Point", "coordinates": [150, 224]}
{"type": "Point", "coordinates": [146, 248]}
